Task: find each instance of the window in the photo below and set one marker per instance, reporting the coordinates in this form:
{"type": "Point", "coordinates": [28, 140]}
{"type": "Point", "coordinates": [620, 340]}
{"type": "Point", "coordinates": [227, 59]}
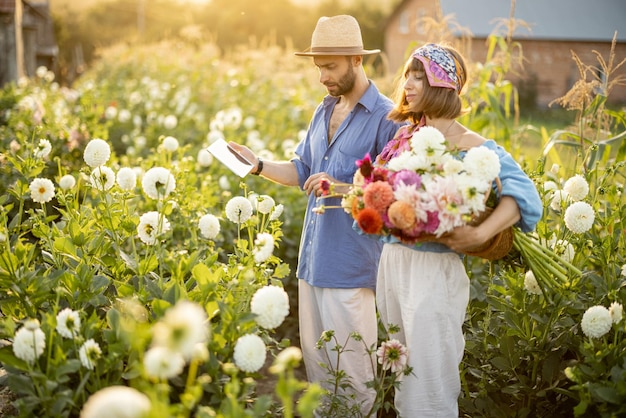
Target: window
{"type": "Point", "coordinates": [404, 22]}
{"type": "Point", "coordinates": [419, 19]}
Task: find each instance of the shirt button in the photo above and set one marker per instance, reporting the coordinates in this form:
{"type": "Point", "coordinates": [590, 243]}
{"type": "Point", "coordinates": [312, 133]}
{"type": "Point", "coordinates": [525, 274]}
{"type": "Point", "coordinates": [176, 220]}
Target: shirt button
{"type": "Point", "coordinates": [326, 158]}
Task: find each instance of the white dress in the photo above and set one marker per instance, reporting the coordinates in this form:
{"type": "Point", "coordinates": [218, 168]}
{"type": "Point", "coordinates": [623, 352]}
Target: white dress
{"type": "Point", "coordinates": [426, 294]}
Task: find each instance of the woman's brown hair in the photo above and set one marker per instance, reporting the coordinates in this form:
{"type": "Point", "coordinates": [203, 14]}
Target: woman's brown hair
{"type": "Point", "coordinates": [435, 102]}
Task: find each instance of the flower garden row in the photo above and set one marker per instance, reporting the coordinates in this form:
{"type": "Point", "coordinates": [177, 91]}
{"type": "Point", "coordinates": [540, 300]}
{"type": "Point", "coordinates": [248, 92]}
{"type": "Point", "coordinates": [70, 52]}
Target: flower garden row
{"type": "Point", "coordinates": [135, 268]}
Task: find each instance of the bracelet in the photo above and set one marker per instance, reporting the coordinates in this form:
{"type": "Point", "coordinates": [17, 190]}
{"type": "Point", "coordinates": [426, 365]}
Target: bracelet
{"type": "Point", "coordinates": [259, 168]}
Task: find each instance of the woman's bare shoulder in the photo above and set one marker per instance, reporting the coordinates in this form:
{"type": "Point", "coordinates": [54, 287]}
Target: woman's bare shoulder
{"type": "Point", "coordinates": [467, 139]}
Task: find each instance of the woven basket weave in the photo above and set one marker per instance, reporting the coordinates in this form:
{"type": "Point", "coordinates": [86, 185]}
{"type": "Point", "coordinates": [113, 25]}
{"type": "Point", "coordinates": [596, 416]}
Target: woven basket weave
{"type": "Point", "coordinates": [497, 247]}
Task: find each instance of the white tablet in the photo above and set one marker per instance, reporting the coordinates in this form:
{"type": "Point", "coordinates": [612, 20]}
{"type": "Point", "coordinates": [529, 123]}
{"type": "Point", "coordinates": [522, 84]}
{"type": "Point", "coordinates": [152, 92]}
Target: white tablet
{"type": "Point", "coordinates": [232, 159]}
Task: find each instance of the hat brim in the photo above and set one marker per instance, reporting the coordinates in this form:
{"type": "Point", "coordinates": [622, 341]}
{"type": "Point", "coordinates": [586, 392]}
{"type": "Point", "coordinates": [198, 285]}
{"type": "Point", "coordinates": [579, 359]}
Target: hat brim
{"type": "Point", "coordinates": [330, 52]}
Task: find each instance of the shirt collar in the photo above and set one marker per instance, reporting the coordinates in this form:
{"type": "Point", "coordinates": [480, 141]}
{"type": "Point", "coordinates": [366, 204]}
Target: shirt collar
{"type": "Point", "coordinates": [368, 99]}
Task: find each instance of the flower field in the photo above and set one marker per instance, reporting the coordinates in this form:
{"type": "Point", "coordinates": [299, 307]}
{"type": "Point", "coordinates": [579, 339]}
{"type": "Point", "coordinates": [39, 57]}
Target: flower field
{"type": "Point", "coordinates": [139, 276]}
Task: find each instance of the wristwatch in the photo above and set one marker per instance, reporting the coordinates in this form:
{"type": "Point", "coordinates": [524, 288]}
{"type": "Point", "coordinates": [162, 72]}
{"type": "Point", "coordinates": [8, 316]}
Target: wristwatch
{"type": "Point", "coordinates": [259, 168]}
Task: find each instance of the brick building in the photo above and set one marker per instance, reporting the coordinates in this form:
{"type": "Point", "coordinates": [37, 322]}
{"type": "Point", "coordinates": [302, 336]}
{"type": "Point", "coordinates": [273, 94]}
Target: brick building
{"type": "Point", "coordinates": [551, 30]}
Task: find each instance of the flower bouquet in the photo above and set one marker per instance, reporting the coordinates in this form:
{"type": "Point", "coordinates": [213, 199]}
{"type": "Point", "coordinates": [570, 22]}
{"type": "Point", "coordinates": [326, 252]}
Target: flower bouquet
{"type": "Point", "coordinates": [427, 191]}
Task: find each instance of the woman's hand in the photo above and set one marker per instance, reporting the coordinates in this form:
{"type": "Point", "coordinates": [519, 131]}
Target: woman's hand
{"type": "Point", "coordinates": [464, 238]}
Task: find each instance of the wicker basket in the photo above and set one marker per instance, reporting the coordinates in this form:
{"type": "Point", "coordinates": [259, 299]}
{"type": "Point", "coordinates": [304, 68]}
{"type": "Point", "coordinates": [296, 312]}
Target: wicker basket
{"type": "Point", "coordinates": [497, 247]}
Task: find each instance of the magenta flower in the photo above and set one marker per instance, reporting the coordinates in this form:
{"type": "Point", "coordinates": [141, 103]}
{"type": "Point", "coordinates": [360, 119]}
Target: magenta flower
{"type": "Point", "coordinates": [432, 223]}
{"type": "Point", "coordinates": [365, 165]}
{"type": "Point", "coordinates": [407, 177]}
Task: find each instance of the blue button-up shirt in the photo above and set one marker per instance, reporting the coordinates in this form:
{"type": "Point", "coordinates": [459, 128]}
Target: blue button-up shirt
{"type": "Point", "coordinates": [332, 254]}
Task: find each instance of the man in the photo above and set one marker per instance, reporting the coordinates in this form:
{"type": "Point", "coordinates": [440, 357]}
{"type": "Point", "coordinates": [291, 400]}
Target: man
{"type": "Point", "coordinates": [337, 266]}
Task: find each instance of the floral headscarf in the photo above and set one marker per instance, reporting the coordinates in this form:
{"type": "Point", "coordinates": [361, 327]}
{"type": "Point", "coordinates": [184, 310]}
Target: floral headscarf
{"type": "Point", "coordinates": [441, 67]}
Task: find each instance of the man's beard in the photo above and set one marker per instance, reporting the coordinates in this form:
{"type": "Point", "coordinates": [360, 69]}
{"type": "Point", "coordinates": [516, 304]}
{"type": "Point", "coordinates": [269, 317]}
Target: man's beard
{"type": "Point", "coordinates": [345, 83]}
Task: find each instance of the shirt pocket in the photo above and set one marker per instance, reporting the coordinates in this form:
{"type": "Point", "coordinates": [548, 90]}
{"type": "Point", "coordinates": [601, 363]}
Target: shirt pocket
{"type": "Point", "coordinates": [346, 161]}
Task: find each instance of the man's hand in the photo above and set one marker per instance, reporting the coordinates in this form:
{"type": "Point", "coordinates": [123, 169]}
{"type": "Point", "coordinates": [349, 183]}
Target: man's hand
{"type": "Point", "coordinates": [314, 184]}
{"type": "Point", "coordinates": [246, 152]}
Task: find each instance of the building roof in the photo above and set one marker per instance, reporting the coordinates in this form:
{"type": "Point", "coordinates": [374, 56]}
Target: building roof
{"type": "Point", "coordinates": [579, 20]}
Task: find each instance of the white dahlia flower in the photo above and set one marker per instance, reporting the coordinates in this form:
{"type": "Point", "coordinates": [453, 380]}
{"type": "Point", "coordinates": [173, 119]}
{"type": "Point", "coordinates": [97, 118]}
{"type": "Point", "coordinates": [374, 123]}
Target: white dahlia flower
{"type": "Point", "coordinates": [579, 217]}
{"type": "Point", "coordinates": [238, 209]}
{"type": "Point", "coordinates": [170, 143]}
{"type": "Point", "coordinates": [270, 304]}
{"type": "Point", "coordinates": [263, 247]}
{"type": "Point", "coordinates": [163, 363]}
{"type": "Point", "coordinates": [158, 182]}
{"type": "Point", "coordinates": [530, 283]}
{"type": "Point", "coordinates": [249, 353]}
{"type": "Point", "coordinates": [151, 225]}
{"type": "Point", "coordinates": [209, 226]}
{"type": "Point", "coordinates": [89, 354]}
{"type": "Point", "coordinates": [116, 402]}
{"type": "Point", "coordinates": [576, 187]}
{"type": "Point", "coordinates": [67, 182]}
{"type": "Point", "coordinates": [68, 323]}
{"type": "Point", "coordinates": [29, 342]}
{"type": "Point", "coordinates": [126, 178]}
{"type": "Point", "coordinates": [181, 328]}
{"type": "Point", "coordinates": [97, 152]}
{"type": "Point", "coordinates": [102, 178]}
{"type": "Point", "coordinates": [43, 149]}
{"type": "Point", "coordinates": [616, 310]}
{"type": "Point", "coordinates": [596, 321]}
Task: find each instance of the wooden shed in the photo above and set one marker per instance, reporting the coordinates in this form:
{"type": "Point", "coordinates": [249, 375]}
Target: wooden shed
{"type": "Point", "coordinates": [27, 39]}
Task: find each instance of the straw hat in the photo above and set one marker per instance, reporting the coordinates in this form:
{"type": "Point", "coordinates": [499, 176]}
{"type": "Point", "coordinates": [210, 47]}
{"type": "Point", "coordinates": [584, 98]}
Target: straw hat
{"type": "Point", "coordinates": [337, 35]}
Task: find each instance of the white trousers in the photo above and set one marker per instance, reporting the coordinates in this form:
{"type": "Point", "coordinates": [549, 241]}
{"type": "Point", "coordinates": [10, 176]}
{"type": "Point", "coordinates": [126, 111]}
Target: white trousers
{"type": "Point", "coordinates": [344, 311]}
{"type": "Point", "coordinates": [426, 294]}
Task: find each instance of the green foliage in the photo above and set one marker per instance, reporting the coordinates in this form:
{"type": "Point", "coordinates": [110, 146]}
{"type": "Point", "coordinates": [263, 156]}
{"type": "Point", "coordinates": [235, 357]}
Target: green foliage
{"type": "Point", "coordinates": [388, 364]}
{"type": "Point", "coordinates": [526, 353]}
{"type": "Point", "coordinates": [80, 250]}
{"type": "Point", "coordinates": [492, 97]}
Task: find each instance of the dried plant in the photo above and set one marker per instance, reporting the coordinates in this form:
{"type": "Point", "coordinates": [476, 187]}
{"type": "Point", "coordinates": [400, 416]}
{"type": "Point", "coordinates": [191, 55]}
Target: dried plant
{"type": "Point", "coordinates": [594, 80]}
{"type": "Point", "coordinates": [588, 96]}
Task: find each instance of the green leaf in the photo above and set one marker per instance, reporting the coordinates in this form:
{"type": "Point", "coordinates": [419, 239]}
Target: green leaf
{"type": "Point", "coordinates": [203, 275]}
{"type": "Point", "coordinates": [65, 246]}
{"type": "Point", "coordinates": [71, 366]}
{"type": "Point", "coordinates": [148, 264]}
{"type": "Point", "coordinates": [282, 271]}
{"type": "Point", "coordinates": [130, 262]}
{"type": "Point", "coordinates": [21, 384]}
{"type": "Point", "coordinates": [606, 394]}
{"type": "Point", "coordinates": [501, 363]}
{"type": "Point", "coordinates": [98, 283]}
{"type": "Point", "coordinates": [173, 292]}
{"type": "Point", "coordinates": [160, 306]}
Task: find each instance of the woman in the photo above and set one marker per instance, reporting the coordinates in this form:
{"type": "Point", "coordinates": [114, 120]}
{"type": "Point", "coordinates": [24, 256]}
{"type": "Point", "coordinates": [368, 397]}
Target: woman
{"type": "Point", "coordinates": [424, 288]}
